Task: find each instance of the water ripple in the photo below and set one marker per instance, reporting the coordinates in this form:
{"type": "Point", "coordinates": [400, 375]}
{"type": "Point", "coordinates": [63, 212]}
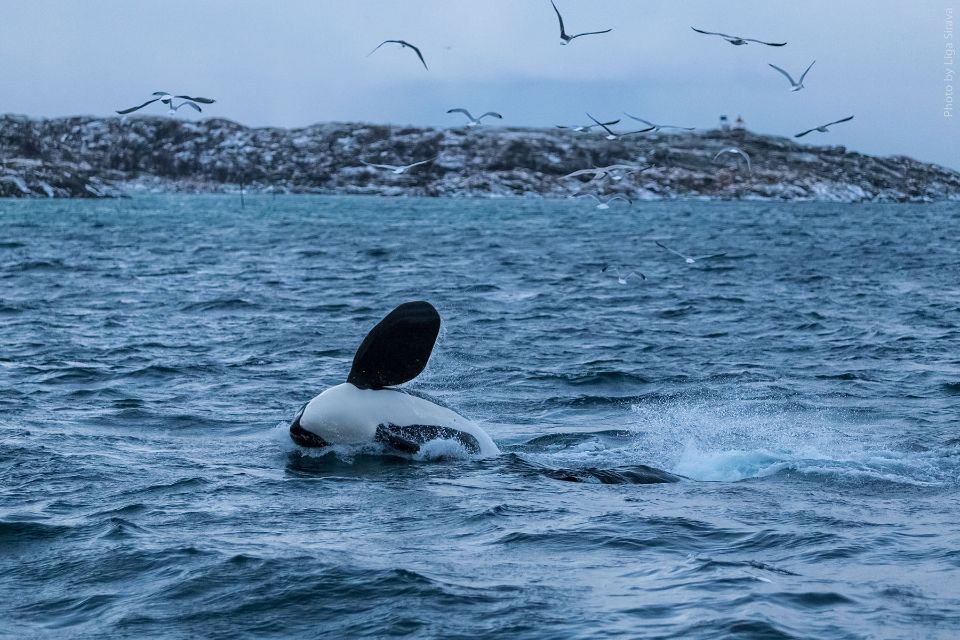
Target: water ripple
{"type": "Point", "coordinates": [764, 447]}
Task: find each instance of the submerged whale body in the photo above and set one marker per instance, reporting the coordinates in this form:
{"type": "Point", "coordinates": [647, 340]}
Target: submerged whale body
{"type": "Point", "coordinates": [367, 409]}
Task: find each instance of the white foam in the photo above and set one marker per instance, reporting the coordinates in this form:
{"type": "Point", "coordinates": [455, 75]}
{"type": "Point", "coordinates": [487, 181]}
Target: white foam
{"type": "Point", "coordinates": [733, 439]}
{"type": "Point", "coordinates": [727, 466]}
{"type": "Point", "coordinates": [442, 450]}
{"type": "Point", "coordinates": [431, 451]}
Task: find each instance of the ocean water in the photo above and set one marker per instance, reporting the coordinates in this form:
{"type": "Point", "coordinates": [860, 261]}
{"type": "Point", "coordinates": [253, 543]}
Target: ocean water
{"type": "Point", "coordinates": [806, 386]}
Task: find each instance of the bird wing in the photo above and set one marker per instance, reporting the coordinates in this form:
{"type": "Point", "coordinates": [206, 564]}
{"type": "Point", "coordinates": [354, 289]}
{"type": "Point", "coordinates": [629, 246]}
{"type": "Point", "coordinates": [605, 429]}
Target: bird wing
{"type": "Point", "coordinates": [713, 255]}
{"type": "Point", "coordinates": [735, 150]}
{"type": "Point", "coordinates": [630, 133]}
{"type": "Point", "coordinates": [787, 75]}
{"type": "Point", "coordinates": [200, 100]}
{"type": "Point", "coordinates": [419, 55]}
{"type": "Point", "coordinates": [712, 33]}
{"type": "Point", "coordinates": [646, 122]}
{"type": "Point", "coordinates": [380, 166]}
{"type": "Point", "coordinates": [800, 135]}
{"type": "Point", "coordinates": [583, 172]}
{"type": "Point", "coordinates": [491, 113]}
{"type": "Point", "coordinates": [463, 111]}
{"type": "Point", "coordinates": [559, 18]}
{"type": "Point", "coordinates": [807, 71]}
{"type": "Point", "coordinates": [187, 103]}
{"type": "Point", "coordinates": [676, 253]}
{"type": "Point", "coordinates": [590, 195]}
{"type": "Point", "coordinates": [417, 164]}
{"type": "Point", "coordinates": [591, 33]}
{"type": "Point", "coordinates": [635, 273]}
{"type": "Point", "coordinates": [383, 43]}
{"type": "Point", "coordinates": [673, 126]}
{"type": "Point", "coordinates": [847, 119]}
{"type": "Point", "coordinates": [600, 124]}
{"type": "Point", "coordinates": [620, 197]}
{"type": "Point", "coordinates": [124, 112]}
{"type": "Point", "coordinates": [769, 44]}
{"type": "Point", "coordinates": [739, 152]}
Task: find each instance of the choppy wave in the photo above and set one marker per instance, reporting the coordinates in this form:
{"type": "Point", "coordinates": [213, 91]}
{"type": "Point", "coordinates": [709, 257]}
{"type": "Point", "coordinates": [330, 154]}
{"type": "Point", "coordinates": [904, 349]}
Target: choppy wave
{"type": "Point", "coordinates": [763, 448]}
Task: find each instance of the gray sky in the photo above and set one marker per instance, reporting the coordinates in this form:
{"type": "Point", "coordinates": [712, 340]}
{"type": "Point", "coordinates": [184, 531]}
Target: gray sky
{"type": "Point", "coordinates": [297, 62]}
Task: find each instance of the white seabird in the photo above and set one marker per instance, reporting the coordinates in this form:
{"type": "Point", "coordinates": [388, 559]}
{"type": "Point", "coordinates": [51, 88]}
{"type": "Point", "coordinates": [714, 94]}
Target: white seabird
{"type": "Point", "coordinates": [690, 259]}
{"type": "Point", "coordinates": [403, 43]}
{"type": "Point", "coordinates": [587, 127]}
{"type": "Point", "coordinates": [824, 127]}
{"type": "Point", "coordinates": [618, 171]}
{"type": "Point", "coordinates": [167, 99]}
{"type": "Point", "coordinates": [612, 171]}
{"type": "Point", "coordinates": [737, 40]}
{"type": "Point", "coordinates": [657, 127]}
{"type": "Point", "coordinates": [475, 122]}
{"type": "Point", "coordinates": [621, 278]}
{"type": "Point", "coordinates": [735, 151]}
{"type": "Point", "coordinates": [798, 84]}
{"type": "Point", "coordinates": [605, 204]}
{"type": "Point", "coordinates": [397, 169]}
{"type": "Point", "coordinates": [564, 38]}
{"type": "Point", "coordinates": [616, 136]}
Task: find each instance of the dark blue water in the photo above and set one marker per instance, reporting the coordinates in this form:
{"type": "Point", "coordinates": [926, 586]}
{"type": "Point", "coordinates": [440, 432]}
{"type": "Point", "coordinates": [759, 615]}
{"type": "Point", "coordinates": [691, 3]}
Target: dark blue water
{"type": "Point", "coordinates": [806, 385]}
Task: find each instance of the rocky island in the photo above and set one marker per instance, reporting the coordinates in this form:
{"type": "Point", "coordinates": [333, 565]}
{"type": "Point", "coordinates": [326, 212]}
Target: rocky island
{"type": "Point", "coordinates": [112, 157]}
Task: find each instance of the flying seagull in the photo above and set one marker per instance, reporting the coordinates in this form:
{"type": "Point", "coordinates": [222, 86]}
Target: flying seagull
{"type": "Point", "coordinates": [796, 86]}
{"type": "Point", "coordinates": [737, 40]}
{"type": "Point", "coordinates": [823, 128]}
{"type": "Point", "coordinates": [587, 127]}
{"type": "Point", "coordinates": [397, 169]}
{"type": "Point", "coordinates": [615, 136]}
{"type": "Point", "coordinates": [597, 173]}
{"type": "Point", "coordinates": [612, 171]}
{"type": "Point", "coordinates": [735, 151]}
{"type": "Point", "coordinates": [403, 43]}
{"type": "Point", "coordinates": [167, 99]}
{"type": "Point", "coordinates": [656, 127]}
{"type": "Point", "coordinates": [564, 38]}
{"type": "Point", "coordinates": [475, 122]}
{"type": "Point", "coordinates": [605, 204]}
{"type": "Point", "coordinates": [621, 278]}
{"type": "Point", "coordinates": [690, 259]}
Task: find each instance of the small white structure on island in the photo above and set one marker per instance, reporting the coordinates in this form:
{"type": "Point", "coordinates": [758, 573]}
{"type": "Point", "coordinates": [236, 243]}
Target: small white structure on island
{"type": "Point", "coordinates": [740, 125]}
{"type": "Point", "coordinates": [724, 123]}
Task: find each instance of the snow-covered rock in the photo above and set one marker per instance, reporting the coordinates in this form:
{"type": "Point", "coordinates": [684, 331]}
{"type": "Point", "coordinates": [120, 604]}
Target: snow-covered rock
{"type": "Point", "coordinates": [106, 157]}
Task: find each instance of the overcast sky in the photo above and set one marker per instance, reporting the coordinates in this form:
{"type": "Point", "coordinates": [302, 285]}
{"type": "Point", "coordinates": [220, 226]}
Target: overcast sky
{"type": "Point", "coordinates": [297, 62]}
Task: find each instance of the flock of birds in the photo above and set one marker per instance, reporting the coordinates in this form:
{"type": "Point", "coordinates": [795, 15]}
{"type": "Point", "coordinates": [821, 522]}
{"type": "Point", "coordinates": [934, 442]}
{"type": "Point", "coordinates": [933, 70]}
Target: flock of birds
{"type": "Point", "coordinates": [598, 175]}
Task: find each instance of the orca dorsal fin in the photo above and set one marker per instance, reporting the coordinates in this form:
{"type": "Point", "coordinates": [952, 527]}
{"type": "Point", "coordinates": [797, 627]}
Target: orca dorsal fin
{"type": "Point", "coordinates": [398, 348]}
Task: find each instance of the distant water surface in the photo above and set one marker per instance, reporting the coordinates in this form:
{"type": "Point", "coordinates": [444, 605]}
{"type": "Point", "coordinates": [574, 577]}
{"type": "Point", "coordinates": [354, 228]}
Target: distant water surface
{"type": "Point", "coordinates": [806, 386]}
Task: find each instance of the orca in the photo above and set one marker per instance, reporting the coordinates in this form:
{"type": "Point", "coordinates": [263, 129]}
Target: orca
{"type": "Point", "coordinates": [368, 408]}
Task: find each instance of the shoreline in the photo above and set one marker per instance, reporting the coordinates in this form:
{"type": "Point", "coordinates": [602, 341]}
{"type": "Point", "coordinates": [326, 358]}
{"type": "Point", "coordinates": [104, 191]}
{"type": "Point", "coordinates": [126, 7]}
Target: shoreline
{"type": "Point", "coordinates": [85, 157]}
